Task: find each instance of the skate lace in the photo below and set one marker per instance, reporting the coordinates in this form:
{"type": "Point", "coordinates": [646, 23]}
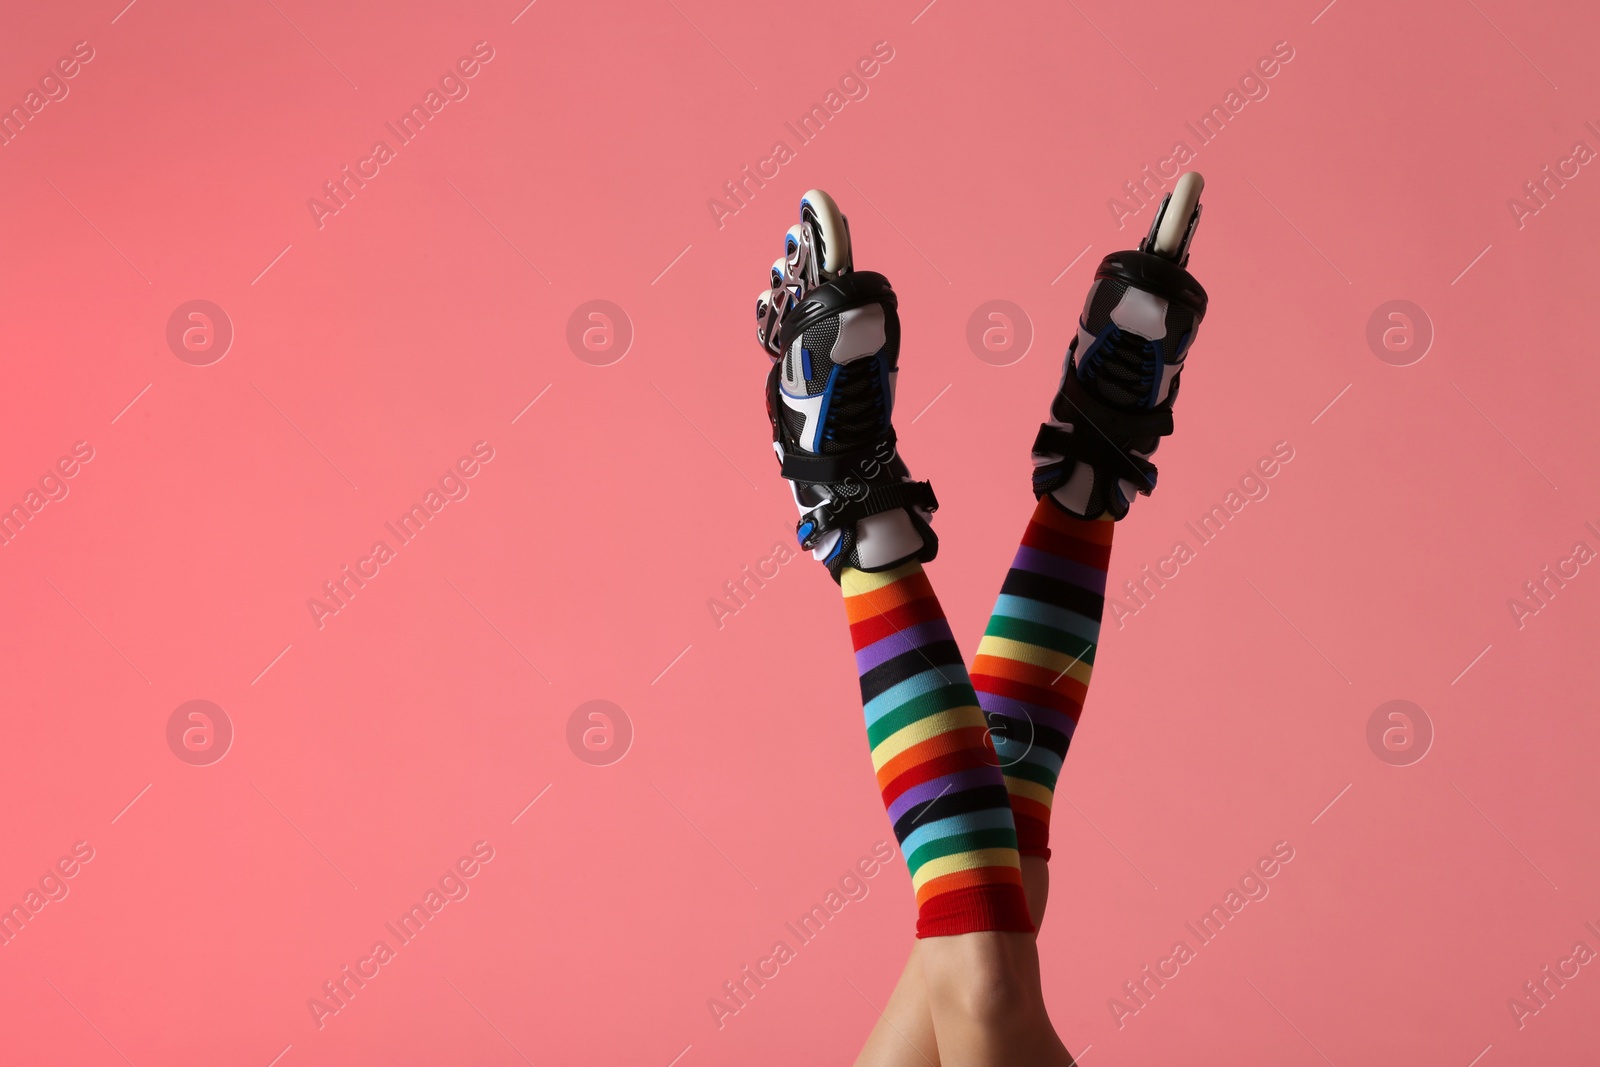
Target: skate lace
{"type": "Point", "coordinates": [1123, 367]}
{"type": "Point", "coordinates": [859, 409]}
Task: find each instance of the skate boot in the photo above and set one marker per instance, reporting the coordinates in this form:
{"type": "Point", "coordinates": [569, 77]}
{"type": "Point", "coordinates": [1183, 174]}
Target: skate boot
{"type": "Point", "coordinates": [833, 334]}
{"type": "Point", "coordinates": [1114, 403]}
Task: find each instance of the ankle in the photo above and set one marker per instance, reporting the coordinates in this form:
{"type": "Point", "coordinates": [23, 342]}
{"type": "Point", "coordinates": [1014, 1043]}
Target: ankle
{"type": "Point", "coordinates": [988, 978]}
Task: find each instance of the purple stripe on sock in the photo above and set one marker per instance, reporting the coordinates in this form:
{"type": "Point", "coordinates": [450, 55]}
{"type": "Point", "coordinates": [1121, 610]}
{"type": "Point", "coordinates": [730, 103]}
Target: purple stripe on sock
{"type": "Point", "coordinates": [958, 782]}
{"type": "Point", "coordinates": [898, 644]}
{"type": "Point", "coordinates": [1031, 559]}
{"type": "Point", "coordinates": [1011, 708]}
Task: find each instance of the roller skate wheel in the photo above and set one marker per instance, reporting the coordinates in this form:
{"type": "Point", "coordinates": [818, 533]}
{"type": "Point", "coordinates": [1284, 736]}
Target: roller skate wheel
{"type": "Point", "coordinates": [829, 232]}
{"type": "Point", "coordinates": [779, 272]}
{"type": "Point", "coordinates": [1178, 215]}
{"type": "Point", "coordinates": [791, 245]}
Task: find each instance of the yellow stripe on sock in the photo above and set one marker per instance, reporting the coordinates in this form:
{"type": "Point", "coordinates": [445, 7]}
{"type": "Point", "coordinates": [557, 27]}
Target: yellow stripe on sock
{"type": "Point", "coordinates": [1021, 787]}
{"type": "Point", "coordinates": [942, 722]}
{"type": "Point", "coordinates": [1047, 658]}
{"type": "Point", "coordinates": [855, 583]}
{"type": "Point", "coordinates": [966, 861]}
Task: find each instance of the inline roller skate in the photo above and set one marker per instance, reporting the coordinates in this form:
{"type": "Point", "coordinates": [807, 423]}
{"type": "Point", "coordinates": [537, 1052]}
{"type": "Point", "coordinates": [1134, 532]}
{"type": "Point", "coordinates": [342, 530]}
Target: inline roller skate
{"type": "Point", "coordinates": [833, 335]}
{"type": "Point", "coordinates": [1120, 379]}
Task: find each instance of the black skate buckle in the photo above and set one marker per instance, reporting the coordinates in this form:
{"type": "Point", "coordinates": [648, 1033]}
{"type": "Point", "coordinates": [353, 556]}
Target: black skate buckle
{"type": "Point", "coordinates": [1086, 444]}
{"type": "Point", "coordinates": [871, 500]}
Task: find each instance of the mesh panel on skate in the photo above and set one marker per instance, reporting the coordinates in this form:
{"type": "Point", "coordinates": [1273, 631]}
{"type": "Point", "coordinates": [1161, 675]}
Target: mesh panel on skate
{"type": "Point", "coordinates": [820, 337]}
{"type": "Point", "coordinates": [1104, 298]}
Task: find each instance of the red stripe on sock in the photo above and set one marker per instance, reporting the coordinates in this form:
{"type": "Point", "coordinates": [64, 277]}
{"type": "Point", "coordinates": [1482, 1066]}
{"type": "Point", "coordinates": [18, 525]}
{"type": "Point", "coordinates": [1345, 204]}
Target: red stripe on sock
{"type": "Point", "coordinates": [884, 623]}
{"type": "Point", "coordinates": [990, 906]}
{"type": "Point", "coordinates": [1052, 515]}
{"type": "Point", "coordinates": [1067, 700]}
{"type": "Point", "coordinates": [1068, 546]}
{"type": "Point", "coordinates": [955, 750]}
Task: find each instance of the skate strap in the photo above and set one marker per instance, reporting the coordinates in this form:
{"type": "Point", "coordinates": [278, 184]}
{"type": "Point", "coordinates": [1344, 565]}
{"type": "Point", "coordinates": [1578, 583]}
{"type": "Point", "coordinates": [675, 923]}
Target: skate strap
{"type": "Point", "coordinates": [1084, 445]}
{"type": "Point", "coordinates": [859, 465]}
{"type": "Point", "coordinates": [1112, 422]}
{"type": "Point", "coordinates": [844, 513]}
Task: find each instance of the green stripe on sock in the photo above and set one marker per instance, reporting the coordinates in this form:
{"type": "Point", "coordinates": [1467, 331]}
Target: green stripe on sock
{"type": "Point", "coordinates": [1033, 633]}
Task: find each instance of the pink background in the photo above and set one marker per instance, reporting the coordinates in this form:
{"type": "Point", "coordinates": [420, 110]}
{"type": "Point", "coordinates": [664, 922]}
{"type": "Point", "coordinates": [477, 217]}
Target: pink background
{"type": "Point", "coordinates": [369, 354]}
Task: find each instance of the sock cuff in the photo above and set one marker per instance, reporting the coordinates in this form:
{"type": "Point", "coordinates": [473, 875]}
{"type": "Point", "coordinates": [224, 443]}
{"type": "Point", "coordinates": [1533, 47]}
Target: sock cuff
{"type": "Point", "coordinates": [1000, 906]}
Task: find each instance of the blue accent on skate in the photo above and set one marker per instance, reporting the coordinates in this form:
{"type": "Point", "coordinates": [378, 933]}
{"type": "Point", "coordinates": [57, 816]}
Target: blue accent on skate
{"type": "Point", "coordinates": [883, 381]}
{"type": "Point", "coordinates": [837, 547]}
{"type": "Point", "coordinates": [804, 532]}
{"type": "Point", "coordinates": [815, 444]}
{"type": "Point", "coordinates": [805, 354]}
{"type": "Point", "coordinates": [1093, 356]}
{"type": "Point", "coordinates": [1183, 346]}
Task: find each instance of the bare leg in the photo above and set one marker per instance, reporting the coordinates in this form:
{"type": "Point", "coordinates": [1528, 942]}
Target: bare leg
{"type": "Point", "coordinates": [904, 1035]}
{"type": "Point", "coordinates": [987, 1004]}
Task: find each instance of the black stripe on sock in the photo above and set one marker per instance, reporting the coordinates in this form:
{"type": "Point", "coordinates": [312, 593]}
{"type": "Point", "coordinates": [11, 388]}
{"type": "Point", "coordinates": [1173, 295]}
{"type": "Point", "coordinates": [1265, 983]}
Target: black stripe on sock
{"type": "Point", "coordinates": [1032, 586]}
{"type": "Point", "coordinates": [981, 798]}
{"type": "Point", "coordinates": [908, 664]}
{"type": "Point", "coordinates": [1007, 726]}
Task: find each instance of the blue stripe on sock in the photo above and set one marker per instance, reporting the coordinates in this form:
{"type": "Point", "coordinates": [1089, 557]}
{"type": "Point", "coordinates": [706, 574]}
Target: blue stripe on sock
{"type": "Point", "coordinates": [1057, 618]}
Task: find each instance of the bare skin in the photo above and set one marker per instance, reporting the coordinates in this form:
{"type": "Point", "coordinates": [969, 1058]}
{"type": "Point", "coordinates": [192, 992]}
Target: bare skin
{"type": "Point", "coordinates": [971, 1000]}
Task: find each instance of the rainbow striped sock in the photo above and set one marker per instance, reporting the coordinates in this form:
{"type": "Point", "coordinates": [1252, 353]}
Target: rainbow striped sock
{"type": "Point", "coordinates": [936, 767]}
{"type": "Point", "coordinates": [1033, 664]}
